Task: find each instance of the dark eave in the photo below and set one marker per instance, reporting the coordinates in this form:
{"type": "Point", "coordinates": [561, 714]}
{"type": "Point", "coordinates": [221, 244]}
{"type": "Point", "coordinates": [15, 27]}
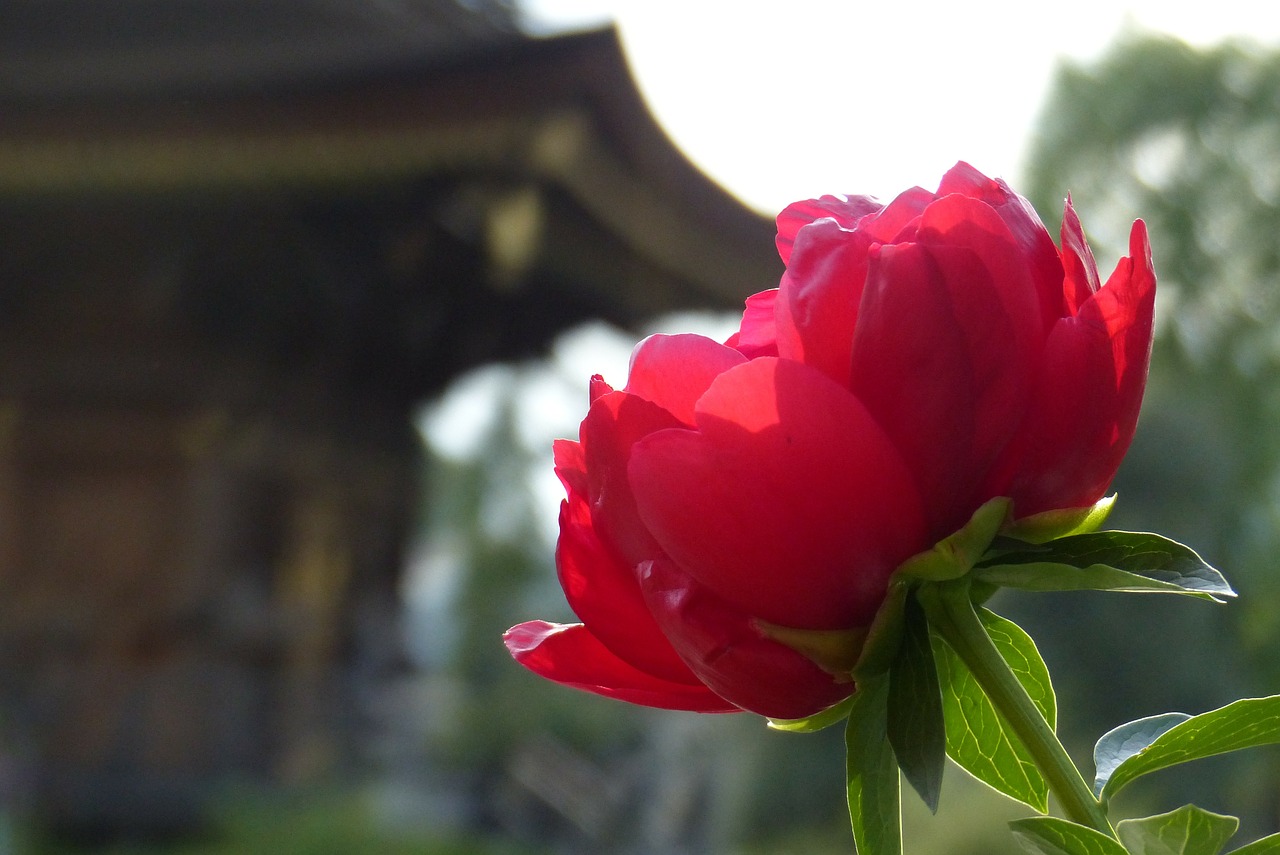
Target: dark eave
{"type": "Point", "coordinates": [562, 114]}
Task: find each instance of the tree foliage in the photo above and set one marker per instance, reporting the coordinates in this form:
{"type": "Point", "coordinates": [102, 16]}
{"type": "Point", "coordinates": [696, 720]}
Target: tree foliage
{"type": "Point", "coordinates": [1189, 140]}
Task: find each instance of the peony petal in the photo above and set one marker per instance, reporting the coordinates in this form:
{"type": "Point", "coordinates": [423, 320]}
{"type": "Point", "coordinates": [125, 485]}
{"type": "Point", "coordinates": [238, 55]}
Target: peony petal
{"type": "Point", "coordinates": [570, 467]}
{"type": "Point", "coordinates": [1086, 407]}
{"type": "Point", "coordinates": [845, 210]}
{"type": "Point", "coordinates": [1081, 280]}
{"type": "Point", "coordinates": [965, 180]}
{"type": "Point", "coordinates": [896, 222]}
{"type": "Point", "coordinates": [788, 502]}
{"type": "Point", "coordinates": [758, 333]}
{"type": "Point", "coordinates": [958, 221]}
{"type": "Point", "coordinates": [614, 423]}
{"type": "Point", "coordinates": [1027, 229]}
{"type": "Point", "coordinates": [732, 657]}
{"type": "Point", "coordinates": [1126, 304]}
{"type": "Point", "coordinates": [818, 299]}
{"type": "Point", "coordinates": [673, 371]}
{"type": "Point", "coordinates": [605, 595]}
{"type": "Point", "coordinates": [940, 361]}
{"type": "Point", "coordinates": [597, 388]}
{"type": "Point", "coordinates": [822, 288]}
{"type": "Point", "coordinates": [569, 654]}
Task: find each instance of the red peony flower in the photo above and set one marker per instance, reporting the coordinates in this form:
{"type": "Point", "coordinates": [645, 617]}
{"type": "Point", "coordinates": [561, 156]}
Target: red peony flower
{"type": "Point", "coordinates": [918, 359]}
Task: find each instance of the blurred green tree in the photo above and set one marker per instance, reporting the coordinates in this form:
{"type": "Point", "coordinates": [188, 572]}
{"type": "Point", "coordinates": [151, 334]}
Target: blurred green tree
{"type": "Point", "coordinates": [1189, 140]}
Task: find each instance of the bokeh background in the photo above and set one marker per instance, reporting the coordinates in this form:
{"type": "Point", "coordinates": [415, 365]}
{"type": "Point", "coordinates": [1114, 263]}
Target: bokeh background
{"type": "Point", "coordinates": [295, 295]}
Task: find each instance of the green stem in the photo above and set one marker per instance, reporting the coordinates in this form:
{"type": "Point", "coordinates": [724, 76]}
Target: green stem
{"type": "Point", "coordinates": [950, 610]}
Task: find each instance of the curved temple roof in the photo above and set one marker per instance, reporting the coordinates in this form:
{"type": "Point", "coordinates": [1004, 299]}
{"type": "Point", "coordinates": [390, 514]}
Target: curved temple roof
{"type": "Point", "coordinates": [191, 96]}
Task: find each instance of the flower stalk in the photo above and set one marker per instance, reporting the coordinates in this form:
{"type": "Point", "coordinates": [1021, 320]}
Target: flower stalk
{"type": "Point", "coordinates": [950, 611]}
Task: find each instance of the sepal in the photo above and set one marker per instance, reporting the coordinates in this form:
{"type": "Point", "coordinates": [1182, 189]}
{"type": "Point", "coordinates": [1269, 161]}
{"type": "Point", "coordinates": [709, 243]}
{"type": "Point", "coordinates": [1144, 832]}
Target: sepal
{"type": "Point", "coordinates": [1050, 525]}
{"type": "Point", "coordinates": [814, 723]}
{"type": "Point", "coordinates": [885, 634]}
{"type": "Point", "coordinates": [955, 554]}
{"type": "Point", "coordinates": [835, 651]}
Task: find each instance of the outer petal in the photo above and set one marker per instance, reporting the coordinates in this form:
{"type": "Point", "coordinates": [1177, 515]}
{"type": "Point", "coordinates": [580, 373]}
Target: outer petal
{"type": "Point", "coordinates": [895, 222]}
{"type": "Point", "coordinates": [961, 222]}
{"type": "Point", "coordinates": [968, 181]}
{"type": "Point", "coordinates": [570, 466]}
{"type": "Point", "coordinates": [1081, 281]}
{"type": "Point", "coordinates": [730, 655]}
{"type": "Point", "coordinates": [941, 361]}
{"type": "Point", "coordinates": [597, 388]}
{"type": "Point", "coordinates": [845, 210]}
{"type": "Point", "coordinates": [614, 423]}
{"type": "Point", "coordinates": [1026, 227]}
{"type": "Point", "coordinates": [673, 371]}
{"type": "Point", "coordinates": [818, 301]}
{"type": "Point", "coordinates": [788, 502]}
{"type": "Point", "coordinates": [758, 333]}
{"type": "Point", "coordinates": [1086, 408]}
{"type": "Point", "coordinates": [605, 595]}
{"type": "Point", "coordinates": [571, 655]}
{"type": "Point", "coordinates": [817, 309]}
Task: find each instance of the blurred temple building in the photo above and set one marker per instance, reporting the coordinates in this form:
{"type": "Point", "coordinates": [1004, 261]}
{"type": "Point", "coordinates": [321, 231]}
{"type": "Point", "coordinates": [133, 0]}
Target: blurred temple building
{"type": "Point", "coordinates": [240, 242]}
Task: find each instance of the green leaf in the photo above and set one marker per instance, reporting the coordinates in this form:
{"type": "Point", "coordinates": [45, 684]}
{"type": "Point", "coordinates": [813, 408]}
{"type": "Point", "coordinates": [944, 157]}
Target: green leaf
{"type": "Point", "coordinates": [916, 729]}
{"type": "Point", "coordinates": [1242, 724]}
{"type": "Point", "coordinates": [1189, 830]}
{"type": "Point", "coordinates": [814, 723]}
{"type": "Point", "coordinates": [872, 773]}
{"type": "Point", "coordinates": [1048, 835]}
{"type": "Point", "coordinates": [1123, 742]}
{"type": "Point", "coordinates": [1269, 845]}
{"type": "Point", "coordinates": [1106, 561]}
{"type": "Point", "coordinates": [979, 740]}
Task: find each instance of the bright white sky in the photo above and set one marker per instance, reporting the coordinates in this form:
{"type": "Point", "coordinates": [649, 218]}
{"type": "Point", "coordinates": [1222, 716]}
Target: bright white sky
{"type": "Point", "coordinates": [784, 100]}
